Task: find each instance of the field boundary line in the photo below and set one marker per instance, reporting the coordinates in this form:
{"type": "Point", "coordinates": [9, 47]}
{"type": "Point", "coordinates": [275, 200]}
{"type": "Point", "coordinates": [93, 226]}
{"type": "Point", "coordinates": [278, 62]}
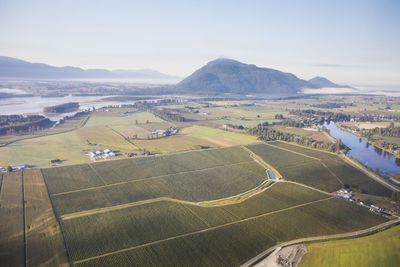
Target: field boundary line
{"type": "Point", "coordinates": [307, 147]}
{"type": "Point", "coordinates": [320, 160]}
{"type": "Point", "coordinates": [295, 152]}
{"type": "Point", "coordinates": [97, 174]}
{"type": "Point", "coordinates": [199, 231]}
{"type": "Point", "coordinates": [307, 186]}
{"type": "Point", "coordinates": [43, 135]}
{"type": "Point", "coordinates": [369, 173]}
{"type": "Point", "coordinates": [122, 136]}
{"type": "Point", "coordinates": [23, 216]}
{"type": "Point", "coordinates": [196, 215]}
{"type": "Point", "coordinates": [58, 220]}
{"type": "Point", "coordinates": [331, 172]}
{"type": "Point", "coordinates": [260, 161]}
{"type": "Point", "coordinates": [1, 185]}
{"type": "Point", "coordinates": [90, 212]}
{"type": "Point", "coordinates": [149, 178]}
{"type": "Point", "coordinates": [354, 234]}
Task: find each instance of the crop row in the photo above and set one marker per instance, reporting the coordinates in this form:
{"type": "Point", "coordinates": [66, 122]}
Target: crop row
{"type": "Point", "coordinates": [298, 168]}
{"type": "Point", "coordinates": [233, 244]}
{"type": "Point", "coordinates": [77, 177]}
{"type": "Point", "coordinates": [347, 174]}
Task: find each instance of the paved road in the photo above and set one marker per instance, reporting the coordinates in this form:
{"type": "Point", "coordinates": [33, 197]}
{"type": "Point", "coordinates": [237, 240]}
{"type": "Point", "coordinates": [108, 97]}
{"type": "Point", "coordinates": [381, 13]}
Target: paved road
{"type": "Point", "coordinates": [302, 240]}
{"type": "Point", "coordinates": [371, 174]}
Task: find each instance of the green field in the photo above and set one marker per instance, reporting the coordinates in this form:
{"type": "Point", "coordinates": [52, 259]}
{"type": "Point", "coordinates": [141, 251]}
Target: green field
{"type": "Point", "coordinates": [298, 168]}
{"type": "Point", "coordinates": [219, 137]}
{"type": "Point", "coordinates": [193, 176]}
{"type": "Point", "coordinates": [119, 213]}
{"type": "Point", "coordinates": [39, 232]}
{"type": "Point", "coordinates": [380, 249]}
{"type": "Point", "coordinates": [64, 179]}
{"type": "Point", "coordinates": [346, 173]}
{"type": "Point", "coordinates": [11, 233]}
{"type": "Point", "coordinates": [140, 238]}
{"type": "Point", "coordinates": [45, 245]}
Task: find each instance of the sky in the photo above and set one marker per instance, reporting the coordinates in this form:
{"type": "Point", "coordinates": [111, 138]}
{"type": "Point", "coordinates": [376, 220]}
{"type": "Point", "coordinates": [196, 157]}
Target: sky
{"type": "Point", "coordinates": [350, 42]}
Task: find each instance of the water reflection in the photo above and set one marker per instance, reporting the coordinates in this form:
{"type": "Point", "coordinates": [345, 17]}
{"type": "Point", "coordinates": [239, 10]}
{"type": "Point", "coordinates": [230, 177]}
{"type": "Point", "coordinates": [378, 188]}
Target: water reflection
{"type": "Point", "coordinates": [367, 154]}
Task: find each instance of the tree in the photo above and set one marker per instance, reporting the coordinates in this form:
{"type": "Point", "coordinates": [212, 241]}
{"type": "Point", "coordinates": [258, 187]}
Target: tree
{"type": "Point", "coordinates": [9, 169]}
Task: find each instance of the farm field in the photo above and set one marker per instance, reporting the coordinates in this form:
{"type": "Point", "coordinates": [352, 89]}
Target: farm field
{"type": "Point", "coordinates": [379, 249]}
{"type": "Point", "coordinates": [298, 168]}
{"type": "Point", "coordinates": [68, 125]}
{"type": "Point", "coordinates": [11, 210]}
{"type": "Point", "coordinates": [85, 189]}
{"type": "Point", "coordinates": [31, 237]}
{"type": "Point", "coordinates": [346, 173]}
{"type": "Point", "coordinates": [61, 179]}
{"type": "Point", "coordinates": [174, 143]}
{"type": "Point", "coordinates": [230, 244]}
{"type": "Point", "coordinates": [44, 242]}
{"type": "Point", "coordinates": [121, 214]}
{"type": "Point", "coordinates": [219, 137]}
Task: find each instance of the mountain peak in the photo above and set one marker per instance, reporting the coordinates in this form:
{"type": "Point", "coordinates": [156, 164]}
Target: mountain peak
{"type": "Point", "coordinates": [321, 82]}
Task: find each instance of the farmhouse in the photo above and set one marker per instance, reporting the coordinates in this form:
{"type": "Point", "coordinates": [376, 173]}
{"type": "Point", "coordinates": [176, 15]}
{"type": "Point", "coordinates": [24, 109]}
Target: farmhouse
{"type": "Point", "coordinates": [344, 194]}
{"type": "Point", "coordinates": [19, 167]}
{"type": "Point", "coordinates": [100, 154]}
{"type": "Point", "coordinates": [159, 132]}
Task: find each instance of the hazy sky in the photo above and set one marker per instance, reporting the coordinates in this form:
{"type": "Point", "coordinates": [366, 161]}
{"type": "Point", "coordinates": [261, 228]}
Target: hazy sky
{"type": "Point", "coordinates": [356, 42]}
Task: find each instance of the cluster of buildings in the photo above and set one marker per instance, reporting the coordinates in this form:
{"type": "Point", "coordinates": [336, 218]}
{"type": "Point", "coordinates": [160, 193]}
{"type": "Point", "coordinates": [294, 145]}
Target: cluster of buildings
{"type": "Point", "coordinates": [15, 168]}
{"type": "Point", "coordinates": [165, 132]}
{"type": "Point", "coordinates": [106, 153]}
{"type": "Point", "coordinates": [344, 194]}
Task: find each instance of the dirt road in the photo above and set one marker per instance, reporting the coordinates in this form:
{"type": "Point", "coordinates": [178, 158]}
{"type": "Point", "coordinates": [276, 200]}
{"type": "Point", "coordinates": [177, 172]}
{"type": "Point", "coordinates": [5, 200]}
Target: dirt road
{"type": "Point", "coordinates": [302, 240]}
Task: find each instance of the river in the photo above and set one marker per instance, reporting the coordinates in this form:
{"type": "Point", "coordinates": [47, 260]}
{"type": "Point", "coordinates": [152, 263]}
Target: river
{"type": "Point", "coordinates": [366, 153]}
{"type": "Point", "coordinates": [35, 105]}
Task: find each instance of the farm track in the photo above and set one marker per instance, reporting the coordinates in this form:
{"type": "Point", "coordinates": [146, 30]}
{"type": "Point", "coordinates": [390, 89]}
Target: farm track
{"type": "Point", "coordinates": [149, 178]}
{"type": "Point", "coordinates": [350, 161]}
{"type": "Point", "coordinates": [209, 203]}
{"type": "Point", "coordinates": [24, 216]}
{"type": "Point", "coordinates": [200, 231]}
{"type": "Point", "coordinates": [370, 174]}
{"type": "Point", "coordinates": [261, 162]}
{"type": "Point", "coordinates": [126, 139]}
{"type": "Point", "coordinates": [58, 219]}
{"type": "Point", "coordinates": [323, 164]}
{"type": "Point", "coordinates": [262, 255]}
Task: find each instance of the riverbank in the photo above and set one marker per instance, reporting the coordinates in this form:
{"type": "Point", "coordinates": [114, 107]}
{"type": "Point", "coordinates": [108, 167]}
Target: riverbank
{"type": "Point", "coordinates": [368, 141]}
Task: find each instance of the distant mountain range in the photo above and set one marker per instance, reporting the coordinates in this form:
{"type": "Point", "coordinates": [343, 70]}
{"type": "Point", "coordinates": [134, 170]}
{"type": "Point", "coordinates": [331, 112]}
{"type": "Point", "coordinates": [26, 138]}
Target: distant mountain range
{"type": "Point", "coordinates": [231, 76]}
{"type": "Point", "coordinates": [219, 76]}
{"type": "Point", "coordinates": [19, 69]}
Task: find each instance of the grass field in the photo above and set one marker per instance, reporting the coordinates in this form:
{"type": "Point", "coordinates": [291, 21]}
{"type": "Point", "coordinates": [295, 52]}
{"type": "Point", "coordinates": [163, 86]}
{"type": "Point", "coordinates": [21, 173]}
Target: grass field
{"type": "Point", "coordinates": [380, 249]}
{"type": "Point", "coordinates": [68, 125]}
{"type": "Point", "coordinates": [104, 137]}
{"type": "Point", "coordinates": [298, 168]}
{"type": "Point", "coordinates": [11, 226]}
{"type": "Point", "coordinates": [174, 143]}
{"type": "Point", "coordinates": [45, 245]}
{"type": "Point", "coordinates": [346, 173]}
{"type": "Point", "coordinates": [219, 137]}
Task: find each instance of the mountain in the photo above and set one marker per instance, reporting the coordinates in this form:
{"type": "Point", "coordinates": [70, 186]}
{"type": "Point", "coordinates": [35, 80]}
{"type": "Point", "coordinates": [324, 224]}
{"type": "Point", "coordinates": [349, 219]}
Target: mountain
{"type": "Point", "coordinates": [20, 69]}
{"type": "Point", "coordinates": [321, 82]}
{"type": "Point", "coordinates": [231, 76]}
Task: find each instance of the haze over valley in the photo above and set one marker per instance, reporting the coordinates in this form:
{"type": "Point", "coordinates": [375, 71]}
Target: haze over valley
{"type": "Point", "coordinates": [199, 133]}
